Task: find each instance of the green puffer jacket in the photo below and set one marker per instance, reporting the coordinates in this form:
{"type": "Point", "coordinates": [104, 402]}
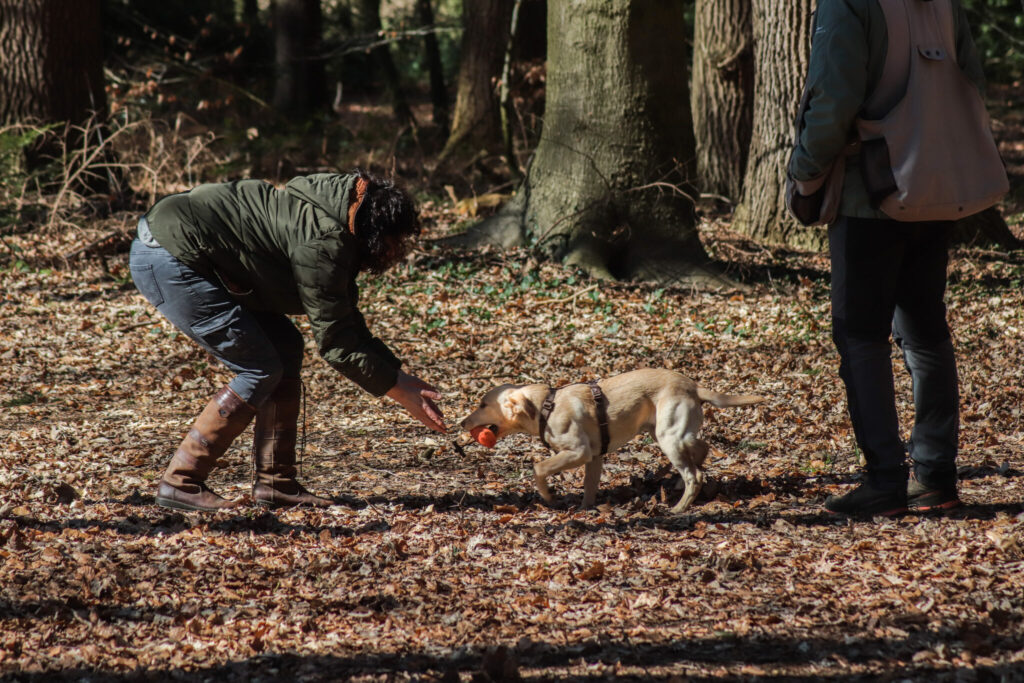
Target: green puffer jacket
{"type": "Point", "coordinates": [847, 55]}
{"type": "Point", "coordinates": [284, 251]}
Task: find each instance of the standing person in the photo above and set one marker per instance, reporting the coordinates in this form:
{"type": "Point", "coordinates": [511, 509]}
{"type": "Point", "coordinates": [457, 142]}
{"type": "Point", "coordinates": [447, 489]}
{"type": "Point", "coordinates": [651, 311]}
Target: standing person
{"type": "Point", "coordinates": [887, 275]}
{"type": "Point", "coordinates": [227, 263]}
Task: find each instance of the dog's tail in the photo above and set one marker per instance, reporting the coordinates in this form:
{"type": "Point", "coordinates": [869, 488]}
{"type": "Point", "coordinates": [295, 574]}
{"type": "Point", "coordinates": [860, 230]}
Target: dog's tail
{"type": "Point", "coordinates": [727, 400]}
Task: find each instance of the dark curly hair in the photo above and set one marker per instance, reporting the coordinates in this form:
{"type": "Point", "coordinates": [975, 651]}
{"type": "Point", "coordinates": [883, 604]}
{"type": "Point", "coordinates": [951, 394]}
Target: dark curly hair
{"type": "Point", "coordinates": [385, 223]}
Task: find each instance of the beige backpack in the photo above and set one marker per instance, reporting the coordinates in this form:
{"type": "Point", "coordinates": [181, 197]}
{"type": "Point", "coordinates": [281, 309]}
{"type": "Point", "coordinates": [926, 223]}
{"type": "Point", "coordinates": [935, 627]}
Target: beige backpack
{"type": "Point", "coordinates": [927, 150]}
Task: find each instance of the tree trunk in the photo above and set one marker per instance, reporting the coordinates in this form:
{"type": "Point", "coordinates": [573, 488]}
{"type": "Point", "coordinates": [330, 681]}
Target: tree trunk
{"type": "Point", "coordinates": [780, 67]}
{"type": "Point", "coordinates": [606, 190]}
{"type": "Point", "coordinates": [369, 22]}
{"type": "Point", "coordinates": [722, 93]}
{"type": "Point", "coordinates": [432, 55]}
{"type": "Point", "coordinates": [476, 123]}
{"type": "Point", "coordinates": [51, 61]}
{"type": "Point", "coordinates": [300, 87]}
{"type": "Point", "coordinates": [51, 71]}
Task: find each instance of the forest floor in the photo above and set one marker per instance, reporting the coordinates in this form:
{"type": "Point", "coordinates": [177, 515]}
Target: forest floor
{"type": "Point", "coordinates": [440, 562]}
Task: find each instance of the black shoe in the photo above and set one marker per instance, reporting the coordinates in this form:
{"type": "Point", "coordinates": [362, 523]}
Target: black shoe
{"type": "Point", "coordinates": [923, 498]}
{"type": "Point", "coordinates": [867, 501]}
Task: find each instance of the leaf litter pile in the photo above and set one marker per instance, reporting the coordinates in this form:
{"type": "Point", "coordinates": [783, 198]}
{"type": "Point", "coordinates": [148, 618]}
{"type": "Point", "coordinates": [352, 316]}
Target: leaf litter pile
{"type": "Point", "coordinates": [440, 561]}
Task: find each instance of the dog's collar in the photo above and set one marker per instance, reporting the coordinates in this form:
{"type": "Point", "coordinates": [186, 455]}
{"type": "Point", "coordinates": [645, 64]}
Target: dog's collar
{"type": "Point", "coordinates": [601, 408]}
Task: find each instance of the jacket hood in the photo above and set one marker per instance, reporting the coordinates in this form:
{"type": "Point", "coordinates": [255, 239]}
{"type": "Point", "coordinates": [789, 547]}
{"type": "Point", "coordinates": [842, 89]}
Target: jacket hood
{"type": "Point", "coordinates": [327, 191]}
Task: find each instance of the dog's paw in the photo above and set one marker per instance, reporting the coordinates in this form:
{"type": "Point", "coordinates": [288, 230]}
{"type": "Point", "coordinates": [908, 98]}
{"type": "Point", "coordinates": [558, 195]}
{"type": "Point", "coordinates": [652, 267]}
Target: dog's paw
{"type": "Point", "coordinates": [677, 511]}
{"type": "Point", "coordinates": [543, 490]}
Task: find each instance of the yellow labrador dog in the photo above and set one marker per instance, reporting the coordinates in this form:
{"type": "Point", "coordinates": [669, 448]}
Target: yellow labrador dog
{"type": "Point", "coordinates": [582, 422]}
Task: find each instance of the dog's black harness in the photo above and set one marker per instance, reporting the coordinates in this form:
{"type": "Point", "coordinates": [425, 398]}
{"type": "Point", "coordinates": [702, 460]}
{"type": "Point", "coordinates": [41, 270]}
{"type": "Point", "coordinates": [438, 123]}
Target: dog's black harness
{"type": "Point", "coordinates": [601, 408]}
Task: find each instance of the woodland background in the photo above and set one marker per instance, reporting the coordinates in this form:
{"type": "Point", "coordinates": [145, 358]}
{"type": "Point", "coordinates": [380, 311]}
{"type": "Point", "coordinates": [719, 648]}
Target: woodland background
{"type": "Point", "coordinates": [600, 186]}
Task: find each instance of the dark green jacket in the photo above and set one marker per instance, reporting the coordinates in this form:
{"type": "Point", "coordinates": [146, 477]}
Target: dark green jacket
{"type": "Point", "coordinates": [284, 251]}
{"type": "Point", "coordinates": [847, 55]}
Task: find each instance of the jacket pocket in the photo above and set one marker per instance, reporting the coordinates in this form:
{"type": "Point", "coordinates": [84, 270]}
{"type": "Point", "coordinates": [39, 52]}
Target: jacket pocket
{"type": "Point", "coordinates": [234, 289]}
{"type": "Point", "coordinates": [145, 281]}
{"type": "Point", "coordinates": [804, 208]}
{"type": "Point", "coordinates": [877, 170]}
{"type": "Point", "coordinates": [246, 296]}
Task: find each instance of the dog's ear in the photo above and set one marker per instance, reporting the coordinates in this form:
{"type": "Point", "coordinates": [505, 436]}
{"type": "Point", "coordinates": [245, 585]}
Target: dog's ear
{"type": "Point", "coordinates": [514, 405]}
{"type": "Point", "coordinates": [510, 406]}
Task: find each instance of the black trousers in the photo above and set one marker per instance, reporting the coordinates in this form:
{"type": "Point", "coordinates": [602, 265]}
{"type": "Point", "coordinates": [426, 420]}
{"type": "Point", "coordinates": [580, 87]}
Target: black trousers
{"type": "Point", "coordinates": [888, 278]}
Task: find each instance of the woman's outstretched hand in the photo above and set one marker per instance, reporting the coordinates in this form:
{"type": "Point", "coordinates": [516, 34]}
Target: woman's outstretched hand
{"type": "Point", "coordinates": [418, 397]}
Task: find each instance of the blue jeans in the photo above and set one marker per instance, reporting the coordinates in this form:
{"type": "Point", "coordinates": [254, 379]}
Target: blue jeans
{"type": "Point", "coordinates": [261, 348]}
{"type": "Point", "coordinates": [890, 277]}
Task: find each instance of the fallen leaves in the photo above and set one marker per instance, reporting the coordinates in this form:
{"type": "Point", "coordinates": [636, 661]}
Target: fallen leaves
{"type": "Point", "coordinates": [594, 571]}
{"type": "Point", "coordinates": [440, 561]}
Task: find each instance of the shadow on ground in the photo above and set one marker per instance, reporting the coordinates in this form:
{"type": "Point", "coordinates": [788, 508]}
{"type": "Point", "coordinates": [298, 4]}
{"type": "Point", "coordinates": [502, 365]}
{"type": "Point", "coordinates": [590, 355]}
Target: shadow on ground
{"type": "Point", "coordinates": [552, 662]}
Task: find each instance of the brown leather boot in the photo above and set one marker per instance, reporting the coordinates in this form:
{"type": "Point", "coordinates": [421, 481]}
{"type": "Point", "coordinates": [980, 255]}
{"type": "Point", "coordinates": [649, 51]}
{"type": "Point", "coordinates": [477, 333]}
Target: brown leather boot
{"type": "Point", "coordinates": [273, 450]}
{"type": "Point", "coordinates": [183, 485]}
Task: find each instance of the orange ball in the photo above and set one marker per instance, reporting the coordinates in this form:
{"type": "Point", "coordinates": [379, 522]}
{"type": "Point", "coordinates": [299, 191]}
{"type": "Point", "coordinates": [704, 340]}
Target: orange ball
{"type": "Point", "coordinates": [484, 436]}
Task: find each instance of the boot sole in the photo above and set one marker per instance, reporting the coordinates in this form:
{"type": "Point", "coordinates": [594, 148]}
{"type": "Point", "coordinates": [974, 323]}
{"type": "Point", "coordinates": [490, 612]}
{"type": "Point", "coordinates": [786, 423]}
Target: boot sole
{"type": "Point", "coordinates": [895, 512]}
{"type": "Point", "coordinates": [948, 505]}
{"type": "Point", "coordinates": [274, 505]}
{"type": "Point", "coordinates": [178, 505]}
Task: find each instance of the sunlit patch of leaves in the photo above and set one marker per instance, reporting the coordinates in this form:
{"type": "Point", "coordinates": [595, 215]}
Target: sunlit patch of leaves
{"type": "Point", "coordinates": [450, 554]}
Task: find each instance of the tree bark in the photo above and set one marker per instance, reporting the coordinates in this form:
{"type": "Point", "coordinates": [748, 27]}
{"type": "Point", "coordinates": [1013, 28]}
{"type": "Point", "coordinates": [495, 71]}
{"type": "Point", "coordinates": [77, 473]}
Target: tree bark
{"type": "Point", "coordinates": [300, 87]}
{"type": "Point", "coordinates": [606, 190]}
{"type": "Point", "coordinates": [432, 55]}
{"type": "Point", "coordinates": [722, 93]}
{"type": "Point", "coordinates": [51, 61]}
{"type": "Point", "coordinates": [476, 122]}
{"type": "Point", "coordinates": [782, 48]}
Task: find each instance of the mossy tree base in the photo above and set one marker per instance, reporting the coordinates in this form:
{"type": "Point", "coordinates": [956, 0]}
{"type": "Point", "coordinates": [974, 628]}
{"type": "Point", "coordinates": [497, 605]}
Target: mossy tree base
{"type": "Point", "coordinates": [609, 189]}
